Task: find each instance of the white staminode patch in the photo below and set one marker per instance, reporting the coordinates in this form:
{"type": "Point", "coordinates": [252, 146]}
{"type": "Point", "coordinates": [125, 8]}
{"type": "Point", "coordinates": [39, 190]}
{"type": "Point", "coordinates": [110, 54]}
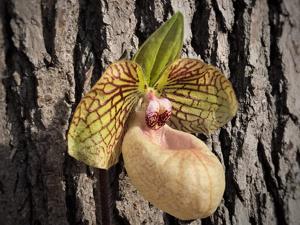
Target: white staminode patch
{"type": "Point", "coordinates": [165, 104]}
{"type": "Point", "coordinates": [153, 107]}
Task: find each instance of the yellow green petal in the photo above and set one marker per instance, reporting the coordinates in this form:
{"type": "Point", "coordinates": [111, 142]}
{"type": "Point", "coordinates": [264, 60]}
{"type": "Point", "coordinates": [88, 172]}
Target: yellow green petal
{"type": "Point", "coordinates": [99, 120]}
{"type": "Point", "coordinates": [203, 99]}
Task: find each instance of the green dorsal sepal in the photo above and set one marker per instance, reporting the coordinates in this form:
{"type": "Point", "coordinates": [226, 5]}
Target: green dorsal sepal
{"type": "Point", "coordinates": [161, 48]}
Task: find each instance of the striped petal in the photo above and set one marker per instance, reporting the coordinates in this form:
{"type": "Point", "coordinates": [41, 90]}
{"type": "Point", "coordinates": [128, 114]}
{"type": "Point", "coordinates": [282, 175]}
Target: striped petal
{"type": "Point", "coordinates": [203, 99]}
{"type": "Point", "coordinates": [99, 120]}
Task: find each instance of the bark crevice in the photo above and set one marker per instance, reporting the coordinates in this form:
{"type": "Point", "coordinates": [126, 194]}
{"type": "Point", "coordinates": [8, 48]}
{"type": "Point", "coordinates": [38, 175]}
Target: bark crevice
{"type": "Point", "coordinates": [19, 102]}
{"type": "Point", "coordinates": [48, 12]}
{"type": "Point", "coordinates": [146, 21]}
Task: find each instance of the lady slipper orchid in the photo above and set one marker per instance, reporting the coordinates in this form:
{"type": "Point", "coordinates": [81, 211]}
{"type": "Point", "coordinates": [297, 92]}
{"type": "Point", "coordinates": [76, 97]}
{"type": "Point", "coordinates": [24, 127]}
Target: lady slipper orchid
{"type": "Point", "coordinates": [134, 108]}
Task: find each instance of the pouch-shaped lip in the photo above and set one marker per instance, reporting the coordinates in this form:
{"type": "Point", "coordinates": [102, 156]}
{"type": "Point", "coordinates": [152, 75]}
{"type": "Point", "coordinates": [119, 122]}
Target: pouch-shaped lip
{"type": "Point", "coordinates": [171, 139]}
{"type": "Point", "coordinates": [172, 169]}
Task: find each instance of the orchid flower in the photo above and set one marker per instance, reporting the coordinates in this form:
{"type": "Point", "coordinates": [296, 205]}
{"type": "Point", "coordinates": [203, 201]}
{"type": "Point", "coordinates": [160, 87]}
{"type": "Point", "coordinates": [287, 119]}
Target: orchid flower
{"type": "Point", "coordinates": [146, 108]}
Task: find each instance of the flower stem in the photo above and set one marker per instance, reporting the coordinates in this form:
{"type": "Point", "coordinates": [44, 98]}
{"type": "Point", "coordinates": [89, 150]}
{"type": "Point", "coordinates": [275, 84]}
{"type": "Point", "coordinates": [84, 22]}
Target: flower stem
{"type": "Point", "coordinates": [105, 197]}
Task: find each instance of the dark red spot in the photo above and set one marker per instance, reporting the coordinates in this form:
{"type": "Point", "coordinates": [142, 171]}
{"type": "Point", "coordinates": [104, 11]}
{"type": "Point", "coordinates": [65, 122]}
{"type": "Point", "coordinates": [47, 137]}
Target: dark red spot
{"type": "Point", "coordinates": [152, 120]}
{"type": "Point", "coordinates": [163, 118]}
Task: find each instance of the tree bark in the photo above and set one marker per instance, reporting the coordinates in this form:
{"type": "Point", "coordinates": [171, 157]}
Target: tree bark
{"type": "Point", "coordinates": [47, 48]}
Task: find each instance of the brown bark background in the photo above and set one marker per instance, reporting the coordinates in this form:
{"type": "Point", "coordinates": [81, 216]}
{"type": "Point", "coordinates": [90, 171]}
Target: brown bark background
{"type": "Point", "coordinates": [46, 48]}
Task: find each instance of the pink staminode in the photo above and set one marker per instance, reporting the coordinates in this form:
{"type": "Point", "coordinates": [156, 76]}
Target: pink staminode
{"type": "Point", "coordinates": [165, 104]}
{"type": "Point", "coordinates": [158, 111]}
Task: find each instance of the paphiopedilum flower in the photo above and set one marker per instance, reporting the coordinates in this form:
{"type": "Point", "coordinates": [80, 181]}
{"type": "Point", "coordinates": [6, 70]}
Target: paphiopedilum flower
{"type": "Point", "coordinates": [127, 111]}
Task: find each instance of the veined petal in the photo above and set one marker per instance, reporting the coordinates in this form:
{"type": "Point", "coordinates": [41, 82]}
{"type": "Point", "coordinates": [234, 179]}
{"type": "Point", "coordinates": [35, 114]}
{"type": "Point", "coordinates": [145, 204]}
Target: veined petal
{"type": "Point", "coordinates": [203, 99]}
{"type": "Point", "coordinates": [99, 120]}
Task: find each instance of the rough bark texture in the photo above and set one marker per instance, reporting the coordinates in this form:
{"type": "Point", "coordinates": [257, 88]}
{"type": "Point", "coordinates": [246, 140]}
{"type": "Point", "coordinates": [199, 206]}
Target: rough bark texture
{"type": "Point", "coordinates": [46, 49]}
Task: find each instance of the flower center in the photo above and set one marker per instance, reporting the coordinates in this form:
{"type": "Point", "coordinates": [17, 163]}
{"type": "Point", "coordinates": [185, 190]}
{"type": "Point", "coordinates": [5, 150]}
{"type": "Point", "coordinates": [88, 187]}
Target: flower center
{"type": "Point", "coordinates": [158, 111]}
